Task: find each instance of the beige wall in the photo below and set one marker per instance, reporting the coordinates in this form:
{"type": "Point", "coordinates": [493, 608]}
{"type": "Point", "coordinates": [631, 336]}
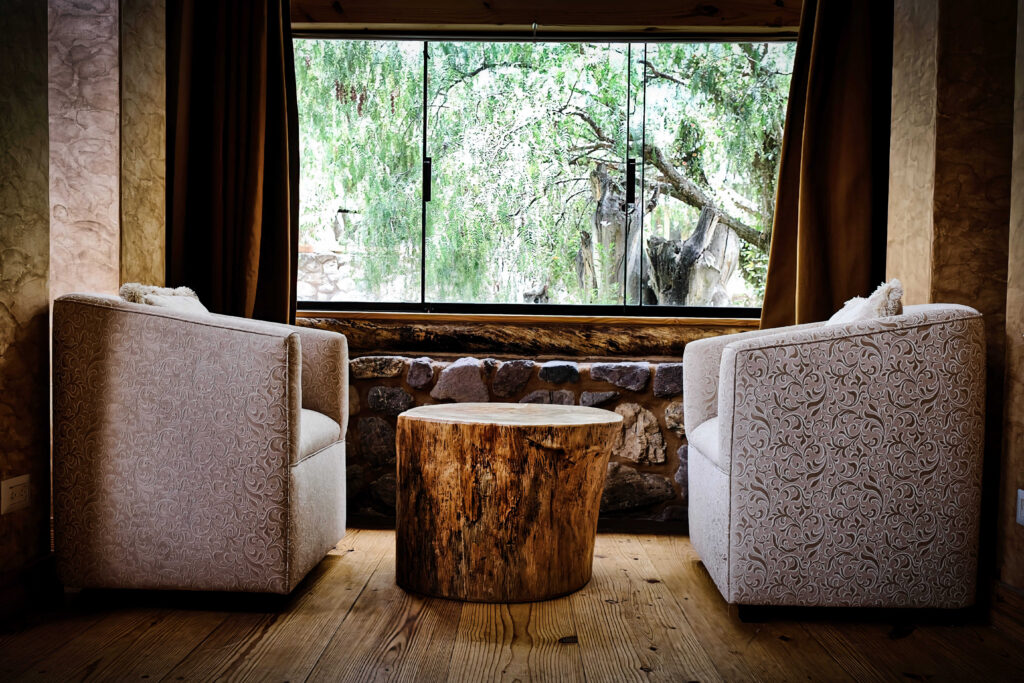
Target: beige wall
{"type": "Point", "coordinates": [24, 271]}
{"type": "Point", "coordinates": [143, 140]}
{"type": "Point", "coordinates": [84, 106]}
{"type": "Point", "coordinates": [912, 147]}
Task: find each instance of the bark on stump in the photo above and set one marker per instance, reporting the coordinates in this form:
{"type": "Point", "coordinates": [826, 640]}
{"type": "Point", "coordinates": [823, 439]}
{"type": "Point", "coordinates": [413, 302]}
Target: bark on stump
{"type": "Point", "coordinates": [498, 502]}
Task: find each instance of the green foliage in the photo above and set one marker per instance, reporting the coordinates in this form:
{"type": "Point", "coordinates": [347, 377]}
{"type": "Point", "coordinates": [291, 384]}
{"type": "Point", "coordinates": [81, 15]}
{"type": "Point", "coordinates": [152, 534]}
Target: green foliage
{"type": "Point", "coordinates": [514, 131]}
{"type": "Point", "coordinates": [360, 119]}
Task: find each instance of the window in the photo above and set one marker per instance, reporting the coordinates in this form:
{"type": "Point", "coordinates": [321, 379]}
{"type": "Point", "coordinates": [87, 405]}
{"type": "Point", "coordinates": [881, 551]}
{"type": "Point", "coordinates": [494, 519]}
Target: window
{"type": "Point", "coordinates": [452, 174]}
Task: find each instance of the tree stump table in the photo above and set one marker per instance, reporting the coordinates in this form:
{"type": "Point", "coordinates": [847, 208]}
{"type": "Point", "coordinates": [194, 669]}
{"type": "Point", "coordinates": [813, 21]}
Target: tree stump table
{"type": "Point", "coordinates": [498, 502]}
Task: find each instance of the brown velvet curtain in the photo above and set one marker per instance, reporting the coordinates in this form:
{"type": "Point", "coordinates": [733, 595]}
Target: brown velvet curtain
{"type": "Point", "coordinates": [828, 237]}
{"type": "Point", "coordinates": [233, 156]}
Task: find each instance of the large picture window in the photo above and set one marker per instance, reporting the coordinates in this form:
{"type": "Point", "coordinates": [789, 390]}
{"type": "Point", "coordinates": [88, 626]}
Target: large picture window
{"type": "Point", "coordinates": [447, 174]}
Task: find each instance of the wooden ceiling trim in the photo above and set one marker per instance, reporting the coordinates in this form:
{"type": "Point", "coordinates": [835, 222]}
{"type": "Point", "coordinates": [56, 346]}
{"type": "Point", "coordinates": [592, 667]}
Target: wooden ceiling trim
{"type": "Point", "coordinates": [570, 16]}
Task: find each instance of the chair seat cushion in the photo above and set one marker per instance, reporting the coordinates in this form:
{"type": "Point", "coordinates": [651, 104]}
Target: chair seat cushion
{"type": "Point", "coordinates": [705, 439]}
{"type": "Point", "coordinates": [316, 431]}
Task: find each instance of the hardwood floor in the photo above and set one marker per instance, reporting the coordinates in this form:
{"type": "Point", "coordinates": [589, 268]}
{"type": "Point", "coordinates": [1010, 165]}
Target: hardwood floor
{"type": "Point", "coordinates": [651, 612]}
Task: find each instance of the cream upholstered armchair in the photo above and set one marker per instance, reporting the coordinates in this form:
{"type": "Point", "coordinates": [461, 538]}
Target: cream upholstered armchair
{"type": "Point", "coordinates": [194, 451]}
{"type": "Point", "coordinates": [839, 465]}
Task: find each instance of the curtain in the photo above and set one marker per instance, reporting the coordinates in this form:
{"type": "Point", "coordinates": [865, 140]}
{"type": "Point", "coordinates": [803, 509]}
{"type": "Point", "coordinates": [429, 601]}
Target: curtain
{"type": "Point", "coordinates": [233, 156]}
{"type": "Point", "coordinates": [829, 230]}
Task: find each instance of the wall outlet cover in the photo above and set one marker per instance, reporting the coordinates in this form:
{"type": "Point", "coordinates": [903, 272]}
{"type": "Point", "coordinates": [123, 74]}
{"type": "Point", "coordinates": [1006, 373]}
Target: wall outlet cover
{"type": "Point", "coordinates": [14, 494]}
{"type": "Point", "coordinates": [1020, 507]}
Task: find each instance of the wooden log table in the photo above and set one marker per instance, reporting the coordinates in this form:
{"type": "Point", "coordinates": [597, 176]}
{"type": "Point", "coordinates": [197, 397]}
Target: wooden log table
{"type": "Point", "coordinates": [498, 502]}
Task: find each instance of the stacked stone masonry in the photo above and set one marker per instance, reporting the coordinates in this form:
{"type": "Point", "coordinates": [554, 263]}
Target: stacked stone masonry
{"type": "Point", "coordinates": [647, 472]}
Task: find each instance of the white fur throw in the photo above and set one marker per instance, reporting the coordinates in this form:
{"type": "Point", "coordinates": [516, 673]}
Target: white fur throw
{"type": "Point", "coordinates": [885, 301]}
{"type": "Point", "coordinates": [181, 299]}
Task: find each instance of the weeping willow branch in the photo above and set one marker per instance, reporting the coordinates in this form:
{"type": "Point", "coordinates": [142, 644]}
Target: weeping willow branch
{"type": "Point", "coordinates": [678, 186]}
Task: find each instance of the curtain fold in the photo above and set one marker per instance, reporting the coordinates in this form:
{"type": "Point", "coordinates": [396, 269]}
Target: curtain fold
{"type": "Point", "coordinates": [829, 232]}
{"type": "Point", "coordinates": [233, 156]}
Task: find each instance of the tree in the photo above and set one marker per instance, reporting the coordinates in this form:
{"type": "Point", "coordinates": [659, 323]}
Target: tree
{"type": "Point", "coordinates": [528, 142]}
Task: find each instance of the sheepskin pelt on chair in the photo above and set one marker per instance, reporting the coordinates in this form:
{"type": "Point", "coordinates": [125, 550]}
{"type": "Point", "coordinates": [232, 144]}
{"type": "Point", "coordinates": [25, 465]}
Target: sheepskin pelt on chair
{"type": "Point", "coordinates": [180, 299]}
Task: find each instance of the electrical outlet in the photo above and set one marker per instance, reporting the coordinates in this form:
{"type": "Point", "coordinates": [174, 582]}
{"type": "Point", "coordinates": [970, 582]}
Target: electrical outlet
{"type": "Point", "coordinates": [1020, 507]}
{"type": "Point", "coordinates": [14, 494]}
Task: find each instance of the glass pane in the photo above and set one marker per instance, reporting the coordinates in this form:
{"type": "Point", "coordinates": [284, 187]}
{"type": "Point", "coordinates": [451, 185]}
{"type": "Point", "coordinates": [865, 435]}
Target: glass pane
{"type": "Point", "coordinates": [361, 136]}
{"type": "Point", "coordinates": [527, 142]}
{"type": "Point", "coordinates": [714, 119]}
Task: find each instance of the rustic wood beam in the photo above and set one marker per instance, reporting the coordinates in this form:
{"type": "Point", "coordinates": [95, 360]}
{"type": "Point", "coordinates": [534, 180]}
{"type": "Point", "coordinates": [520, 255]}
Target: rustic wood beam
{"type": "Point", "coordinates": [614, 16]}
{"type": "Point", "coordinates": [577, 337]}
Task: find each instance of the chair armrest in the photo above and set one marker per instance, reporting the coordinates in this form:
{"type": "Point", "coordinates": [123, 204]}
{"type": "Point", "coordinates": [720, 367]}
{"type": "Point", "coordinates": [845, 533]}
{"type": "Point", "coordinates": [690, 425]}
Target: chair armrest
{"type": "Point", "coordinates": [702, 361]}
{"type": "Point", "coordinates": [324, 369]}
{"type": "Point", "coordinates": [845, 438]}
{"type": "Point", "coordinates": [325, 373]}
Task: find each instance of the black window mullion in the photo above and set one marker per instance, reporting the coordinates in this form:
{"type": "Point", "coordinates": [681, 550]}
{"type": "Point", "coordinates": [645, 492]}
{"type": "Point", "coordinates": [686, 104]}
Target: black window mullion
{"type": "Point", "coordinates": [423, 197]}
{"type": "Point", "coordinates": [643, 177]}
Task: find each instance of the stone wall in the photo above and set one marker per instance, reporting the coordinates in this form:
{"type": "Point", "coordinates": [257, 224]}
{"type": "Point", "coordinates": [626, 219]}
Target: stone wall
{"type": "Point", "coordinates": [647, 472]}
{"type": "Point", "coordinates": [326, 277]}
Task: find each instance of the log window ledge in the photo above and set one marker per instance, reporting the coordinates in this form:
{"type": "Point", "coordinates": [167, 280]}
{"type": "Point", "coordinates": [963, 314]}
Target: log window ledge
{"type": "Point", "coordinates": [535, 336]}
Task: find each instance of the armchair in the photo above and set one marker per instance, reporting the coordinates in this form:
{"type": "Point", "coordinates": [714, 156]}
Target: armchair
{"type": "Point", "coordinates": [839, 465]}
{"type": "Point", "coordinates": [198, 452]}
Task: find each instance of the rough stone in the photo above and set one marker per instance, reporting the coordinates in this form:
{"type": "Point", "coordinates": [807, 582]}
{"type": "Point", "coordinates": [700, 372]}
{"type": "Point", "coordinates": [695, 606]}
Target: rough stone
{"type": "Point", "coordinates": [511, 377]}
{"type": "Point", "coordinates": [668, 379]}
{"type": "Point", "coordinates": [376, 440]}
{"type": "Point", "coordinates": [631, 376]}
{"type": "Point", "coordinates": [421, 373]}
{"type": "Point", "coordinates": [489, 364]}
{"type": "Point", "coordinates": [559, 372]}
{"type": "Point", "coordinates": [355, 480]}
{"type": "Point", "coordinates": [373, 367]}
{"type": "Point", "coordinates": [683, 470]}
{"type": "Point", "coordinates": [640, 439]}
{"type": "Point", "coordinates": [389, 400]}
{"type": "Point", "coordinates": [627, 489]}
{"type": "Point", "coordinates": [562, 397]}
{"type": "Point", "coordinates": [383, 491]}
{"type": "Point", "coordinates": [674, 417]}
{"type": "Point", "coordinates": [597, 398]}
{"type": "Point", "coordinates": [353, 400]}
{"type": "Point", "coordinates": [462, 382]}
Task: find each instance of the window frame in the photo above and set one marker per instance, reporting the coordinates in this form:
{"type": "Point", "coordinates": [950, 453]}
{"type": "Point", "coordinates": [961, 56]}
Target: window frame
{"type": "Point", "coordinates": [310, 307]}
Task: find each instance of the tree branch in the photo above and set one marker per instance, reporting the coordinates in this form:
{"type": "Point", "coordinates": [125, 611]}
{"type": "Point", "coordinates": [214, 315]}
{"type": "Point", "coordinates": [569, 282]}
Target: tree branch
{"type": "Point", "coordinates": [661, 74]}
{"type": "Point", "coordinates": [586, 118]}
{"type": "Point", "coordinates": [680, 187]}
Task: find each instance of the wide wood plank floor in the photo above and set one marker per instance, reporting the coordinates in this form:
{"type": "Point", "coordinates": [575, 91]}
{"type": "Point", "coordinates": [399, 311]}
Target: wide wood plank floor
{"type": "Point", "coordinates": [650, 613]}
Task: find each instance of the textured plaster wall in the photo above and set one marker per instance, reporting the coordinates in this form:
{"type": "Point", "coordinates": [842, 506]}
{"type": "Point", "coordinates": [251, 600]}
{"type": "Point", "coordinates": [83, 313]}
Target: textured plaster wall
{"type": "Point", "coordinates": [84, 101]}
{"type": "Point", "coordinates": [24, 270]}
{"type": "Point", "coordinates": [143, 140]}
{"type": "Point", "coordinates": [912, 147]}
{"type": "Point", "coordinates": [1011, 534]}
{"type": "Point", "coordinates": [949, 206]}
{"type": "Point", "coordinates": [974, 138]}
{"type": "Point", "coordinates": [60, 200]}
{"type": "Point", "coordinates": [973, 159]}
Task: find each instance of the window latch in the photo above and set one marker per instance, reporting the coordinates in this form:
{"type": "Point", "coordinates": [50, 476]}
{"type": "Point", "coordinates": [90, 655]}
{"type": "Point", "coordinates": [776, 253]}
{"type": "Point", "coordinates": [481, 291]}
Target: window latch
{"type": "Point", "coordinates": [426, 179]}
{"type": "Point", "coordinates": [630, 181]}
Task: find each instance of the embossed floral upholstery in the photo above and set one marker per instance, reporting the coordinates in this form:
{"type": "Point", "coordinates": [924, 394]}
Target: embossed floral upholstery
{"type": "Point", "coordinates": [848, 461]}
{"type": "Point", "coordinates": [194, 451]}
